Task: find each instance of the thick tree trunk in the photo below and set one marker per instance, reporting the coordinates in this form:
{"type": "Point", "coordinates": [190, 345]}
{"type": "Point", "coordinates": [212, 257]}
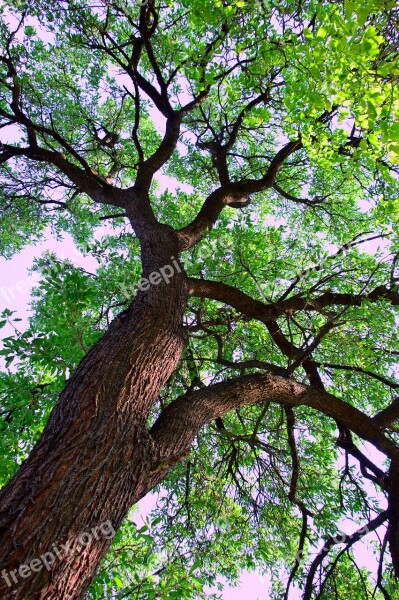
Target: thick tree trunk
{"type": "Point", "coordinates": [95, 458]}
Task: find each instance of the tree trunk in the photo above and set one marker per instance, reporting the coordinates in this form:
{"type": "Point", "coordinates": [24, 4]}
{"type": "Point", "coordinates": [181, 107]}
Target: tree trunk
{"type": "Point", "coordinates": [95, 458]}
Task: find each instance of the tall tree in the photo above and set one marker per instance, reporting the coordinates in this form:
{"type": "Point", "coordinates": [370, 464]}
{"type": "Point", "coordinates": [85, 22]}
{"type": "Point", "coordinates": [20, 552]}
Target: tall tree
{"type": "Point", "coordinates": [251, 369]}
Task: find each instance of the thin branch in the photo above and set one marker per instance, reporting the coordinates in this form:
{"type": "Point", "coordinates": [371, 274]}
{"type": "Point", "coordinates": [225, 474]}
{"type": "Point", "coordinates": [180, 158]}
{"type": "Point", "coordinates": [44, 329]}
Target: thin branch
{"type": "Point", "coordinates": [333, 541]}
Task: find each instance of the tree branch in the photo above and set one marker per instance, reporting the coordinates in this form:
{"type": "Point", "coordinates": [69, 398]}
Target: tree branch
{"type": "Point", "coordinates": [384, 380]}
{"type": "Point", "coordinates": [178, 424]}
{"type": "Point", "coordinates": [235, 194]}
{"type": "Point", "coordinates": [162, 154]}
{"type": "Point", "coordinates": [222, 292]}
{"type": "Point", "coordinates": [99, 191]}
{"type": "Point", "coordinates": [388, 415]}
{"type": "Point", "coordinates": [333, 541]}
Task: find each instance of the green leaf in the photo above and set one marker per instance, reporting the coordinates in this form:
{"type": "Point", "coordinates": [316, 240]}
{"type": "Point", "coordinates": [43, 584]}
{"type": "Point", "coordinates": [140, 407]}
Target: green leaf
{"type": "Point", "coordinates": [394, 132]}
{"type": "Point", "coordinates": [362, 14]}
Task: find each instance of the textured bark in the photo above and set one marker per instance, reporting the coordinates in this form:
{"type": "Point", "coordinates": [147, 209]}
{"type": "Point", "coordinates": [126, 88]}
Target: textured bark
{"type": "Point", "coordinates": [95, 458]}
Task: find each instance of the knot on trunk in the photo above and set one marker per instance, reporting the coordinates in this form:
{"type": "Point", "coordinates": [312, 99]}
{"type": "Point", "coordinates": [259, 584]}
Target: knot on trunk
{"type": "Point", "coordinates": [238, 201]}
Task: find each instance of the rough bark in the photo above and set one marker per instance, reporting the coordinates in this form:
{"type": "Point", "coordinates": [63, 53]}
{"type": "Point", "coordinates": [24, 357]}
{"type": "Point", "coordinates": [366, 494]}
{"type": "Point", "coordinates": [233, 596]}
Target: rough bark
{"type": "Point", "coordinates": [95, 458]}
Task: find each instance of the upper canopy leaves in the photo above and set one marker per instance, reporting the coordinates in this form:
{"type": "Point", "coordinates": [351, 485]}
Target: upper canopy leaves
{"type": "Point", "coordinates": [86, 90]}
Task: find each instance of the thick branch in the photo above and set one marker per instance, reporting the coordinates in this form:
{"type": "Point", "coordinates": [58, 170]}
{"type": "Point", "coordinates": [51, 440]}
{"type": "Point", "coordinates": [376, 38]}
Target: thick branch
{"type": "Point", "coordinates": [180, 422]}
{"type": "Point", "coordinates": [388, 415]}
{"type": "Point", "coordinates": [222, 292]}
{"type": "Point", "coordinates": [241, 301]}
{"type": "Point", "coordinates": [235, 194]}
{"type": "Point", "coordinates": [207, 216]}
{"type": "Point", "coordinates": [162, 154]}
{"type": "Point", "coordinates": [98, 190]}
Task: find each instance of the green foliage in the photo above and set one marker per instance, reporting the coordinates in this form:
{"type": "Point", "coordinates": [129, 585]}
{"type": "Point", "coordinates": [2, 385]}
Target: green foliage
{"type": "Point", "coordinates": [328, 73]}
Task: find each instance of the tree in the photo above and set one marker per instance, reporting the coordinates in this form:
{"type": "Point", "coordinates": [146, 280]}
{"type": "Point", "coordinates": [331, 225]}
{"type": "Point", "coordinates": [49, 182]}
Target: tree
{"type": "Point", "coordinates": [237, 342]}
